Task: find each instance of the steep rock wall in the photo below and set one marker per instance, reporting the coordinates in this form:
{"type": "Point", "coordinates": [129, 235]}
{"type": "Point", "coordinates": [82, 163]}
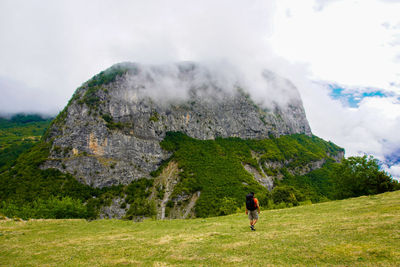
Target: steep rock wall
{"type": "Point", "coordinates": [110, 131]}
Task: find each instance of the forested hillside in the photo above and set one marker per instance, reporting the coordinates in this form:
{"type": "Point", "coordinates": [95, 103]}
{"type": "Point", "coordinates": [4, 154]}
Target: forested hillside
{"type": "Point", "coordinates": [215, 167]}
{"type": "Point", "coordinates": [215, 170]}
{"type": "Point", "coordinates": [19, 133]}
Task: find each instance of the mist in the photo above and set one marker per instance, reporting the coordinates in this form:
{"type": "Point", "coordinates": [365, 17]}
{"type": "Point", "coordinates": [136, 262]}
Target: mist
{"type": "Point", "coordinates": [180, 81]}
{"type": "Point", "coordinates": [56, 46]}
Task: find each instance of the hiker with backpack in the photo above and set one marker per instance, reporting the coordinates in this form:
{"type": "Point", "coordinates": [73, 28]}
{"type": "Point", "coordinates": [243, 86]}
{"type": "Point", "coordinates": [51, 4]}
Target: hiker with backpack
{"type": "Point", "coordinates": [252, 209]}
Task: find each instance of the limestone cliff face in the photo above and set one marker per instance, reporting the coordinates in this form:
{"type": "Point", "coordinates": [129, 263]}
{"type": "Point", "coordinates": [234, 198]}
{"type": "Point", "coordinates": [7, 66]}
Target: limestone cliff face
{"type": "Point", "coordinates": [111, 129]}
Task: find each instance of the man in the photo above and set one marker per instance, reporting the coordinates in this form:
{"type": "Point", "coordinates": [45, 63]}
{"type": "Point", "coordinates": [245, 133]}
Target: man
{"type": "Point", "coordinates": [252, 209]}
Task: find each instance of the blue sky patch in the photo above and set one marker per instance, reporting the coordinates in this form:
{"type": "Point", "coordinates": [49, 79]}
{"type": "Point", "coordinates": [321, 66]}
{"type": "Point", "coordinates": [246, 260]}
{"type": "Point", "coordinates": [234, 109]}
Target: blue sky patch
{"type": "Point", "coordinates": [353, 97]}
{"type": "Point", "coordinates": [393, 158]}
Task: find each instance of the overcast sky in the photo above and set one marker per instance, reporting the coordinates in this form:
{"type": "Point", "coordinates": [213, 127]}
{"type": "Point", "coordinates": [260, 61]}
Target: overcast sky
{"type": "Point", "coordinates": [49, 48]}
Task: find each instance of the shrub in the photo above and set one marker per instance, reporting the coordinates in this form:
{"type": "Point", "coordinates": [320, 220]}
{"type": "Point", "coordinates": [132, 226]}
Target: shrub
{"type": "Point", "coordinates": [154, 117]}
{"type": "Point", "coordinates": [138, 189]}
{"type": "Point", "coordinates": [107, 118]}
{"type": "Point", "coordinates": [91, 97]}
{"type": "Point", "coordinates": [110, 75]}
{"type": "Point", "coordinates": [52, 208]}
{"type": "Point", "coordinates": [227, 206]}
{"type": "Point", "coordinates": [286, 194]}
{"type": "Point", "coordinates": [141, 207]}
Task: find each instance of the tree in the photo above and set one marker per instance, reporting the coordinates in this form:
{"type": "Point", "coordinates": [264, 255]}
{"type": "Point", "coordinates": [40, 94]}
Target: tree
{"type": "Point", "coordinates": [357, 176]}
{"type": "Point", "coordinates": [287, 194]}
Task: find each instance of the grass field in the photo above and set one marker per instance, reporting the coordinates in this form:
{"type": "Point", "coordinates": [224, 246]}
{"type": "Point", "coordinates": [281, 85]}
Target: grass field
{"type": "Point", "coordinates": [363, 231]}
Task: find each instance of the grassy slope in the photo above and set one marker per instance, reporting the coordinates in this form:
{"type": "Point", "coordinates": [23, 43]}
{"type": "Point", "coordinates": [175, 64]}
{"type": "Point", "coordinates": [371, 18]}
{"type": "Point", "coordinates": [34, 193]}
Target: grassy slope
{"type": "Point", "coordinates": [363, 231]}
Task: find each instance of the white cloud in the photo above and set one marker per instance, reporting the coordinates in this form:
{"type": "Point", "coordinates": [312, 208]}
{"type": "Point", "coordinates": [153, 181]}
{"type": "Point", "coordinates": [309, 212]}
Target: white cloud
{"type": "Point", "coordinates": [371, 128]}
{"type": "Point", "coordinates": [57, 45]}
{"type": "Point", "coordinates": [346, 41]}
{"type": "Point", "coordinates": [17, 97]}
{"type": "Point", "coordinates": [394, 171]}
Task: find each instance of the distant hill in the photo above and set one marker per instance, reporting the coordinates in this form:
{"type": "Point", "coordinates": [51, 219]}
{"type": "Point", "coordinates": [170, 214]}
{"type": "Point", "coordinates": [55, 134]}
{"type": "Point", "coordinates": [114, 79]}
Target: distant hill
{"type": "Point", "coordinates": [21, 119]}
{"type": "Point", "coordinates": [18, 133]}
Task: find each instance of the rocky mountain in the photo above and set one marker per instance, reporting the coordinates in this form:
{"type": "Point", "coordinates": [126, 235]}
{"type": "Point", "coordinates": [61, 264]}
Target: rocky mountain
{"type": "Point", "coordinates": [110, 131]}
{"type": "Point", "coordinates": [177, 141]}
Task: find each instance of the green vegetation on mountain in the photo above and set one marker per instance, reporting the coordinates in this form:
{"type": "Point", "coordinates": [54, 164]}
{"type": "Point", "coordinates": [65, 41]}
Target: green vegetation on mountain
{"type": "Point", "coordinates": [111, 74]}
{"type": "Point", "coordinates": [26, 183]}
{"type": "Point", "coordinates": [137, 194]}
{"type": "Point", "coordinates": [353, 177]}
{"type": "Point", "coordinates": [213, 167]}
{"type": "Point", "coordinates": [91, 97]}
{"type": "Point", "coordinates": [353, 232]}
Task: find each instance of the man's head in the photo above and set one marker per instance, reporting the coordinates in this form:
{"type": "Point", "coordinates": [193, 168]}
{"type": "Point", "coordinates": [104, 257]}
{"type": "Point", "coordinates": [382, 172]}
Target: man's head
{"type": "Point", "coordinates": [252, 193]}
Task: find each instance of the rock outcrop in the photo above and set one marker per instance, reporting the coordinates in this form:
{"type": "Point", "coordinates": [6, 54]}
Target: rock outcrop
{"type": "Point", "coordinates": [110, 131]}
